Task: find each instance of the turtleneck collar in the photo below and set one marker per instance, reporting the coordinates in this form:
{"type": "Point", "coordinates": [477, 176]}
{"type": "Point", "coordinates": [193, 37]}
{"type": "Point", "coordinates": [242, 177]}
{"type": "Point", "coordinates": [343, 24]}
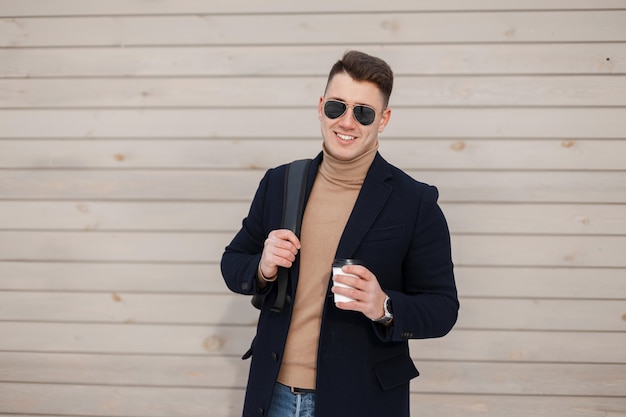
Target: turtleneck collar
{"type": "Point", "coordinates": [347, 173]}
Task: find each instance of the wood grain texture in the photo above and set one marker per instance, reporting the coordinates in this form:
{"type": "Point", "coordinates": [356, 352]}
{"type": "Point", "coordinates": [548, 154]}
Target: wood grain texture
{"type": "Point", "coordinates": [506, 346]}
{"type": "Point", "coordinates": [168, 7]}
{"type": "Point", "coordinates": [216, 309]}
{"type": "Point", "coordinates": [527, 154]}
{"type": "Point", "coordinates": [262, 61]}
{"type": "Point", "coordinates": [538, 123]}
{"type": "Point", "coordinates": [472, 281]}
{"type": "Point", "coordinates": [165, 402]}
{"type": "Point", "coordinates": [409, 90]}
{"type": "Point", "coordinates": [575, 187]}
{"type": "Point", "coordinates": [468, 250]}
{"type": "Point", "coordinates": [227, 373]}
{"type": "Point", "coordinates": [226, 216]}
{"type": "Point", "coordinates": [133, 136]}
{"type": "Point", "coordinates": [315, 29]}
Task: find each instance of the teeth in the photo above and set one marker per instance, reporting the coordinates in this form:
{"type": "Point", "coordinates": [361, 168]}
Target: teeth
{"type": "Point", "coordinates": [345, 137]}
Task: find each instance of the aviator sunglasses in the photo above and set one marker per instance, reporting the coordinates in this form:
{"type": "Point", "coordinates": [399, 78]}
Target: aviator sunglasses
{"type": "Point", "coordinates": [363, 114]}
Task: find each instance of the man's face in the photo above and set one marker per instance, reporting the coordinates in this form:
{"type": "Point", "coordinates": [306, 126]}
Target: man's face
{"type": "Point", "coordinates": [344, 137]}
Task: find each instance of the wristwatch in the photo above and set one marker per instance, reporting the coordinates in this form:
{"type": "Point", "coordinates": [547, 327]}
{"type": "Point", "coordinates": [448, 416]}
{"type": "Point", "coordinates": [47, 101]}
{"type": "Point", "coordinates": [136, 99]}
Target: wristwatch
{"type": "Point", "coordinates": [388, 314]}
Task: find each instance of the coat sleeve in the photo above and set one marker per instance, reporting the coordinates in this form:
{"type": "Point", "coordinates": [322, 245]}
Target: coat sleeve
{"type": "Point", "coordinates": [241, 257]}
{"type": "Point", "coordinates": [428, 304]}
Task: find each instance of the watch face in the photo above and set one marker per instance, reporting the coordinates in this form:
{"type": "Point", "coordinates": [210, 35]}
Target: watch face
{"type": "Point", "coordinates": [388, 315]}
{"type": "Point", "coordinates": [388, 311]}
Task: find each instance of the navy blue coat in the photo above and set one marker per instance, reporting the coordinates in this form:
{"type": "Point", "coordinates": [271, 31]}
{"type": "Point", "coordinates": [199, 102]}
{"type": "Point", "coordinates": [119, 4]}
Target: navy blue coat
{"type": "Point", "coordinates": [363, 368]}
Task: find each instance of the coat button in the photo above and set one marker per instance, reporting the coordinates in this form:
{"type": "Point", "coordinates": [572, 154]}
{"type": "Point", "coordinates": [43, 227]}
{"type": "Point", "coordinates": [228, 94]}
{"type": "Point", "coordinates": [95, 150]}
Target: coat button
{"type": "Point", "coordinates": [245, 285]}
{"type": "Point", "coordinates": [275, 356]}
{"type": "Point", "coordinates": [261, 411]}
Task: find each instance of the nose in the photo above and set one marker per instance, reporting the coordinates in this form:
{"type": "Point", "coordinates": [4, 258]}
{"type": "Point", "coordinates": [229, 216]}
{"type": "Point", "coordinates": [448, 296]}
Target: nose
{"type": "Point", "coordinates": [347, 120]}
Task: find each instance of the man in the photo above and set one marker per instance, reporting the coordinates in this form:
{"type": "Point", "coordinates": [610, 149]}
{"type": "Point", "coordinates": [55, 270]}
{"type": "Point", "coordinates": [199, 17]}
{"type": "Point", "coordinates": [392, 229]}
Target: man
{"type": "Point", "coordinates": [318, 357]}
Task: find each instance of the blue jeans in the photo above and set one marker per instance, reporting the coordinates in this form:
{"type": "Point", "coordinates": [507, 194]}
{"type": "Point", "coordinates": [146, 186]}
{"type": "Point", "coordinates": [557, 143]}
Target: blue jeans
{"type": "Point", "coordinates": [287, 404]}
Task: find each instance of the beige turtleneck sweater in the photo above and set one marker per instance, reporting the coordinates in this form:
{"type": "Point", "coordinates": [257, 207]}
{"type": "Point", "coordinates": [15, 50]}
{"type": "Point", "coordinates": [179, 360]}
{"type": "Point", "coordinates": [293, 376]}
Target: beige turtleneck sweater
{"type": "Point", "coordinates": [334, 193]}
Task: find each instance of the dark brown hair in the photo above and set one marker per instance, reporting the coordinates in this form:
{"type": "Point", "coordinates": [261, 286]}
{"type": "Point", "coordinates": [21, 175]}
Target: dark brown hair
{"type": "Point", "coordinates": [363, 67]}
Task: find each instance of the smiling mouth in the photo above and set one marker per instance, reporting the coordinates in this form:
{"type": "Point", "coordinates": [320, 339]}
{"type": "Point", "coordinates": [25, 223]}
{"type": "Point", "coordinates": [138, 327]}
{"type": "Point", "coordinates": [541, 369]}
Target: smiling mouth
{"type": "Point", "coordinates": [346, 138]}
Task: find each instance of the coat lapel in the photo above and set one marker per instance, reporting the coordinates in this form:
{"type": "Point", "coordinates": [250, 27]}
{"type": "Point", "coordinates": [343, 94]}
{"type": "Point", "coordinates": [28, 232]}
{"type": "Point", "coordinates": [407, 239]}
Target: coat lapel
{"type": "Point", "coordinates": [370, 202]}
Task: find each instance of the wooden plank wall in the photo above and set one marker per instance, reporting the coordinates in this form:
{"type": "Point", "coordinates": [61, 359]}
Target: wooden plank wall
{"type": "Point", "coordinates": [133, 135]}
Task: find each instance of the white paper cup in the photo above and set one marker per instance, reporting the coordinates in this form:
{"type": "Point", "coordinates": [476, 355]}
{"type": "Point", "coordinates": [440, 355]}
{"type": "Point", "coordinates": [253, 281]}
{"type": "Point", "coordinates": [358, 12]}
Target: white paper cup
{"type": "Point", "coordinates": [337, 265]}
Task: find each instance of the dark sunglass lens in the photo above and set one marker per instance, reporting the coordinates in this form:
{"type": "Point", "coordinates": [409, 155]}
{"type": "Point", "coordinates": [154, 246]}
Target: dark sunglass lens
{"type": "Point", "coordinates": [334, 109]}
{"type": "Point", "coordinates": [364, 115]}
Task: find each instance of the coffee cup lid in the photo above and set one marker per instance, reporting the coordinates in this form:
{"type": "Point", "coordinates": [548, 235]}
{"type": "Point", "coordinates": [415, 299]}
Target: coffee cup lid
{"type": "Point", "coordinates": [342, 262]}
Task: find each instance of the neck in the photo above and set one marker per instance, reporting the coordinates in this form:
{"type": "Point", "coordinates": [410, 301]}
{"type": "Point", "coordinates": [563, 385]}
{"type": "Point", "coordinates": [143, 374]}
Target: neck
{"type": "Point", "coordinates": [348, 173]}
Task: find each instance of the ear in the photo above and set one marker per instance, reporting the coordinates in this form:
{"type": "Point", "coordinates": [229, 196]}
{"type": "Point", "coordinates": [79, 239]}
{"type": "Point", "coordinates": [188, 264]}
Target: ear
{"type": "Point", "coordinates": [384, 119]}
{"type": "Point", "coordinates": [320, 107]}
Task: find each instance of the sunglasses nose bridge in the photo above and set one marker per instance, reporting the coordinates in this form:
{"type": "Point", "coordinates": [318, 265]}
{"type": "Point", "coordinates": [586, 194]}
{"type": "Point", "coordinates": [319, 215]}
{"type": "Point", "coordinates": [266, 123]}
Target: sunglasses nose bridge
{"type": "Point", "coordinates": [348, 116]}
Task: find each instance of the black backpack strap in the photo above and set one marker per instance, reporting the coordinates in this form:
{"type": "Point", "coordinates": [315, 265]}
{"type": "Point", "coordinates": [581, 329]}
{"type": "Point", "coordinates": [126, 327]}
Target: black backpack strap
{"type": "Point", "coordinates": [293, 207]}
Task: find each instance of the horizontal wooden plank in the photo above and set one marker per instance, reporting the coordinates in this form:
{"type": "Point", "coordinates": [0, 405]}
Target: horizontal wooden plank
{"type": "Point", "coordinates": [517, 406]}
{"type": "Point", "coordinates": [165, 7]}
{"type": "Point", "coordinates": [228, 185]}
{"type": "Point", "coordinates": [113, 246]}
{"type": "Point", "coordinates": [439, 154]}
{"type": "Point", "coordinates": [572, 283]}
{"type": "Point", "coordinates": [133, 370]}
{"type": "Point", "coordinates": [503, 282]}
{"type": "Point", "coordinates": [167, 92]}
{"type": "Point", "coordinates": [213, 309]}
{"type": "Point", "coordinates": [535, 218]}
{"type": "Point", "coordinates": [497, 218]}
{"type": "Point", "coordinates": [111, 401]}
{"type": "Point", "coordinates": [483, 250]}
{"type": "Point", "coordinates": [586, 315]}
{"type": "Point", "coordinates": [160, 154]}
{"type": "Point", "coordinates": [308, 28]}
{"type": "Point", "coordinates": [533, 90]}
{"type": "Point", "coordinates": [565, 90]}
{"type": "Point", "coordinates": [467, 250]}
{"type": "Point", "coordinates": [526, 187]}
{"type": "Point", "coordinates": [219, 372]}
{"type": "Point", "coordinates": [128, 308]}
{"type": "Point", "coordinates": [111, 277]}
{"type": "Point", "coordinates": [521, 379]}
{"type": "Point", "coordinates": [229, 61]}
{"type": "Point", "coordinates": [119, 216]}
{"type": "Point", "coordinates": [223, 185]}
{"type": "Point", "coordinates": [458, 345]}
{"type": "Point", "coordinates": [559, 123]}
{"type": "Point", "coordinates": [60, 400]}
{"type": "Point", "coordinates": [135, 339]}
{"type": "Point", "coordinates": [522, 346]}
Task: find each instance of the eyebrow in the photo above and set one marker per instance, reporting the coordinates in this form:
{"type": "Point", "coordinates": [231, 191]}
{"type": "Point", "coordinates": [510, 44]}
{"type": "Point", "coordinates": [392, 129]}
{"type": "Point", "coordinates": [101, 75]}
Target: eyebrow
{"type": "Point", "coordinates": [347, 102]}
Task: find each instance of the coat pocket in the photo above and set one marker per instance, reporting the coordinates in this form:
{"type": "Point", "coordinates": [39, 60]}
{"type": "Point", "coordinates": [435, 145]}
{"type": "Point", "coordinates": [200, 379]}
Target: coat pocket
{"type": "Point", "coordinates": [395, 372]}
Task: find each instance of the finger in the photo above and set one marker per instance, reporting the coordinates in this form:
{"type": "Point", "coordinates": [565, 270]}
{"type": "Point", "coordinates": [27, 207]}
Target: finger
{"type": "Point", "coordinates": [350, 291]}
{"type": "Point", "coordinates": [358, 270]}
{"type": "Point", "coordinates": [279, 257]}
{"type": "Point", "coordinates": [347, 305]}
{"type": "Point", "coordinates": [347, 280]}
{"type": "Point", "coordinates": [347, 292]}
{"type": "Point", "coordinates": [286, 235]}
{"type": "Point", "coordinates": [272, 244]}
